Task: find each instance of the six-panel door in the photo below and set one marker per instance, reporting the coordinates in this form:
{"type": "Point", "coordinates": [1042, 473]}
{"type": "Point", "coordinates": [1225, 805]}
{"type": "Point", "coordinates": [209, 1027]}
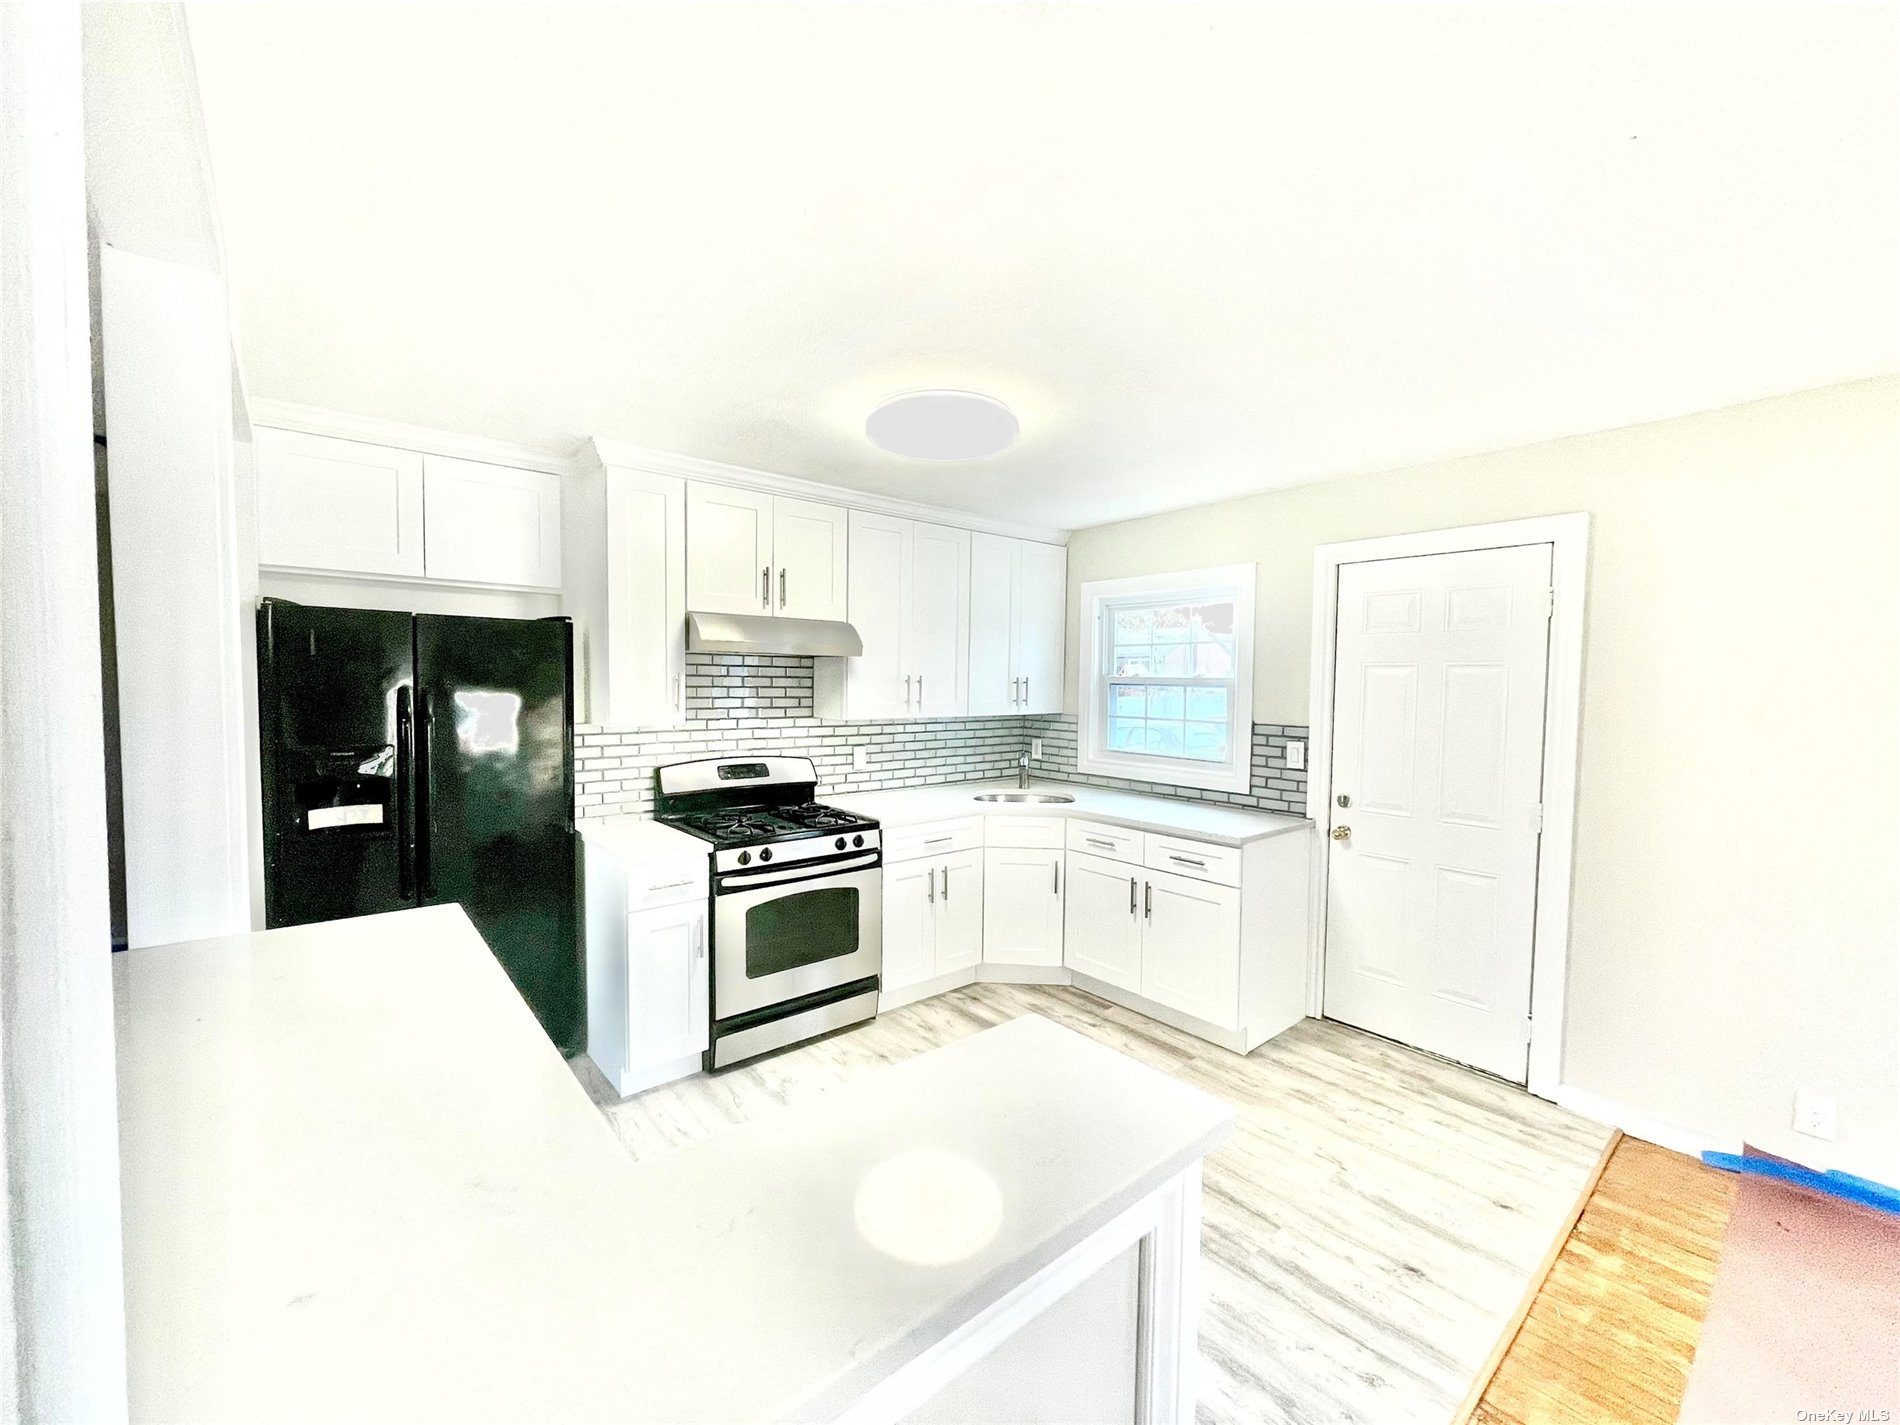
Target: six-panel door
{"type": "Point", "coordinates": [1190, 957]}
{"type": "Point", "coordinates": [1102, 928]}
{"type": "Point", "coordinates": [667, 982]}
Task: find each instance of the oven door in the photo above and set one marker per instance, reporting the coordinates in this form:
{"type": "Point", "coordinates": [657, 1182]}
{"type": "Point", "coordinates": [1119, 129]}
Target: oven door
{"type": "Point", "coordinates": [776, 941]}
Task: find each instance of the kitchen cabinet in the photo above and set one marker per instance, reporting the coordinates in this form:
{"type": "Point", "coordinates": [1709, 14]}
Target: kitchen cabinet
{"type": "Point", "coordinates": [1190, 947]}
{"type": "Point", "coordinates": [343, 506]}
{"type": "Point", "coordinates": [1022, 906]}
{"type": "Point", "coordinates": [625, 535]}
{"type": "Point", "coordinates": [753, 553]}
{"type": "Point", "coordinates": [1018, 611]}
{"type": "Point", "coordinates": [489, 524]}
{"type": "Point", "coordinates": [350, 507]}
{"type": "Point", "coordinates": [932, 913]}
{"type": "Point", "coordinates": [909, 599]}
{"type": "Point", "coordinates": [1102, 929]}
{"type": "Point", "coordinates": [668, 1016]}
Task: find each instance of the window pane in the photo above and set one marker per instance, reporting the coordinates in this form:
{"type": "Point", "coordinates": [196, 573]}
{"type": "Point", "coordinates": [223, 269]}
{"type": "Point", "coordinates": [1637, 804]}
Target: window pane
{"type": "Point", "coordinates": [1132, 625]}
{"type": "Point", "coordinates": [1127, 735]}
{"type": "Point", "coordinates": [1207, 704]}
{"type": "Point", "coordinates": [1126, 702]}
{"type": "Point", "coordinates": [1212, 661]}
{"type": "Point", "coordinates": [1174, 660]}
{"type": "Point", "coordinates": [1133, 661]}
{"type": "Point", "coordinates": [1165, 701]}
{"type": "Point", "coordinates": [1165, 740]}
{"type": "Point", "coordinates": [1207, 741]}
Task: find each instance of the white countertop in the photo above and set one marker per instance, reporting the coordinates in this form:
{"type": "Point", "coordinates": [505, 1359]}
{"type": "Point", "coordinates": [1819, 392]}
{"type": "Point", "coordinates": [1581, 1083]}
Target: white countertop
{"type": "Point", "coordinates": [359, 1183]}
{"type": "Point", "coordinates": [642, 839]}
{"type": "Point", "coordinates": [1204, 821]}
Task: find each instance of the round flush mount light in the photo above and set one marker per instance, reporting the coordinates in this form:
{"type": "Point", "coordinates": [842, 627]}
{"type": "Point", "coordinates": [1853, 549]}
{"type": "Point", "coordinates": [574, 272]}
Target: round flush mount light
{"type": "Point", "coordinates": [942, 425]}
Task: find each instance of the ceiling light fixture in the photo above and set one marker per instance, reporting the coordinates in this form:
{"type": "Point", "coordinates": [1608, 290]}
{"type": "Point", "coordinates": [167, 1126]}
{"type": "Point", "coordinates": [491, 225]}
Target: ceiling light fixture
{"type": "Point", "coordinates": [942, 425]}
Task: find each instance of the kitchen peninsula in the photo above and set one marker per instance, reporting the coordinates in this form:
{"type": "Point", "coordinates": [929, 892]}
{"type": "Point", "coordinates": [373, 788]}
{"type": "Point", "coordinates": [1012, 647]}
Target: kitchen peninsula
{"type": "Point", "coordinates": [360, 1183]}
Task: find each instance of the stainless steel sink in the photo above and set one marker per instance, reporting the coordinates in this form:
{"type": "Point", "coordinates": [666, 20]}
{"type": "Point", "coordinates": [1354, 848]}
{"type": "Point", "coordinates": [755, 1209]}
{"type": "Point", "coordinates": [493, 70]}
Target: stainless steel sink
{"type": "Point", "coordinates": [1023, 797]}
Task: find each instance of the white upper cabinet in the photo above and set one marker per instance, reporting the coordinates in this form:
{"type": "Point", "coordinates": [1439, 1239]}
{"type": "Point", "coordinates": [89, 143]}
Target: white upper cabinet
{"type": "Point", "coordinates": [339, 505]}
{"type": "Point", "coordinates": [909, 599]}
{"type": "Point", "coordinates": [488, 524]}
{"type": "Point", "coordinates": [349, 507]}
{"type": "Point", "coordinates": [808, 546]}
{"type": "Point", "coordinates": [1018, 603]}
{"type": "Point", "coordinates": [728, 550]}
{"type": "Point", "coordinates": [751, 553]}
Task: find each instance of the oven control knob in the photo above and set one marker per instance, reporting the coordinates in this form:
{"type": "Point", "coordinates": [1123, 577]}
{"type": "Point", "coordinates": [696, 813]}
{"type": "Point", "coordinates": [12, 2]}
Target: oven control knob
{"type": "Point", "coordinates": [841, 843]}
{"type": "Point", "coordinates": [857, 841]}
{"type": "Point", "coordinates": [766, 855]}
{"type": "Point", "coordinates": [745, 858]}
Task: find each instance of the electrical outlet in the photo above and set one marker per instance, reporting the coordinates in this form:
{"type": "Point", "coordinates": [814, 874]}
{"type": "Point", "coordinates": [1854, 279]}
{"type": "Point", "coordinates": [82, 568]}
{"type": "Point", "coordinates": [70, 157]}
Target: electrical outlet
{"type": "Point", "coordinates": [1814, 1114]}
{"type": "Point", "coordinates": [1035, 749]}
{"type": "Point", "coordinates": [1296, 756]}
{"type": "Point", "coordinates": [860, 759]}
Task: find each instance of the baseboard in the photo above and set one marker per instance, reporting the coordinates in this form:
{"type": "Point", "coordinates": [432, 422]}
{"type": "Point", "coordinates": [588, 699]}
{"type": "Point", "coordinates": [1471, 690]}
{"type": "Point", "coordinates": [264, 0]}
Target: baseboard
{"type": "Point", "coordinates": [924, 989]}
{"type": "Point", "coordinates": [988, 974]}
{"type": "Point", "coordinates": [1645, 1126]}
{"type": "Point", "coordinates": [1223, 1038]}
{"type": "Point", "coordinates": [1488, 1371]}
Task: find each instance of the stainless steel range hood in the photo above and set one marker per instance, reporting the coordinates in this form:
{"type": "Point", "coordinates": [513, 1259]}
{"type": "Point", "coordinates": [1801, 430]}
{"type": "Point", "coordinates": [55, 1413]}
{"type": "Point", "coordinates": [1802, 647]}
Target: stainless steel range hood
{"type": "Point", "coordinates": [756, 633]}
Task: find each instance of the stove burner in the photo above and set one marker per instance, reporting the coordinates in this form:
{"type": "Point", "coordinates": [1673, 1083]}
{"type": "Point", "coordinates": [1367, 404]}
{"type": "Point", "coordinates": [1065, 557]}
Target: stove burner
{"type": "Point", "coordinates": [820, 817]}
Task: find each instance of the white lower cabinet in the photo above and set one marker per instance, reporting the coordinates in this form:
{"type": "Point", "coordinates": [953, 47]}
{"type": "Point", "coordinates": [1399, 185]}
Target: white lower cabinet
{"type": "Point", "coordinates": [1190, 947]}
{"type": "Point", "coordinates": [1022, 906]}
{"type": "Point", "coordinates": [1102, 934]}
{"type": "Point", "coordinates": [667, 984]}
{"type": "Point", "coordinates": [933, 918]}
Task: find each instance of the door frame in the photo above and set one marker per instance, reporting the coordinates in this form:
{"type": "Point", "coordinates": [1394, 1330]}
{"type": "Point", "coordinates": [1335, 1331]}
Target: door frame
{"type": "Point", "coordinates": [1569, 538]}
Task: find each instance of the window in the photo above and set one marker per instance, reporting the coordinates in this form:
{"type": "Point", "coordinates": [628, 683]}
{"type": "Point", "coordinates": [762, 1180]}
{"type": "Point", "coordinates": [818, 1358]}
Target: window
{"type": "Point", "coordinates": [1168, 696]}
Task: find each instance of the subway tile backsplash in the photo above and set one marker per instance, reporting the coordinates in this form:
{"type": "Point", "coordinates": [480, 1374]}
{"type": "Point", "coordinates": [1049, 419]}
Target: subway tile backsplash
{"type": "Point", "coordinates": [762, 703]}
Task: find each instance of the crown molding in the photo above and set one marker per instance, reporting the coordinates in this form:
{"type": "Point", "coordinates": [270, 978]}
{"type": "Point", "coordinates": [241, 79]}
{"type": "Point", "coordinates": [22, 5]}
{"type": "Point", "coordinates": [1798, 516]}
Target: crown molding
{"type": "Point", "coordinates": [372, 430]}
{"type": "Point", "coordinates": [601, 453]}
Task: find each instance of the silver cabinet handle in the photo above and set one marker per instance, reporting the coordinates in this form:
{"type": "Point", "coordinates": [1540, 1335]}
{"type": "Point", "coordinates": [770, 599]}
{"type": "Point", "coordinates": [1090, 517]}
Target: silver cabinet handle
{"type": "Point", "coordinates": [946, 883]}
{"type": "Point", "coordinates": [1056, 888]}
{"type": "Point", "coordinates": [920, 692]}
{"type": "Point", "coordinates": [937, 840]}
{"type": "Point", "coordinates": [699, 941]}
{"type": "Point", "coordinates": [1147, 900]}
{"type": "Point", "coordinates": [1187, 861]}
{"type": "Point", "coordinates": [930, 883]}
{"type": "Point", "coordinates": [1097, 841]}
{"type": "Point", "coordinates": [907, 690]}
{"type": "Point", "coordinates": [765, 586]}
{"type": "Point", "coordinates": [671, 885]}
{"type": "Point", "coordinates": [781, 586]}
{"type": "Point", "coordinates": [1025, 692]}
{"type": "Point", "coordinates": [1131, 895]}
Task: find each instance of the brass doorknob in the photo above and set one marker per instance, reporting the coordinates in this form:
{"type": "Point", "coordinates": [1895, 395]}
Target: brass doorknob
{"type": "Point", "coordinates": [1341, 833]}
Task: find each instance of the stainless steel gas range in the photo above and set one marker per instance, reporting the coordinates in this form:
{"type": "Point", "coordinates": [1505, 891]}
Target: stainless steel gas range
{"type": "Point", "coordinates": [796, 901]}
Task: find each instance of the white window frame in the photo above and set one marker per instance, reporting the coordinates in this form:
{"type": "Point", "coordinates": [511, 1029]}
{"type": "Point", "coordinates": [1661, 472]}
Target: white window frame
{"type": "Point", "coordinates": [1093, 758]}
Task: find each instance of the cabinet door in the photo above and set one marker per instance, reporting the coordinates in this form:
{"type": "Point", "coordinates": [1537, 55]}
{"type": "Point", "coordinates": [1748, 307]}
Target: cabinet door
{"type": "Point", "coordinates": [644, 659]}
{"type": "Point", "coordinates": [993, 577]}
{"type": "Point", "coordinates": [877, 683]}
{"type": "Point", "coordinates": [1102, 921]}
{"type": "Point", "coordinates": [489, 524]}
{"type": "Point", "coordinates": [1042, 616]}
{"type": "Point", "coordinates": [667, 985]}
{"type": "Point", "coordinates": [1190, 947]}
{"type": "Point", "coordinates": [960, 900]}
{"type": "Point", "coordinates": [728, 550]}
{"type": "Point", "coordinates": [910, 923]}
{"type": "Point", "coordinates": [324, 503]}
{"type": "Point", "coordinates": [809, 542]}
{"type": "Point", "coordinates": [1022, 906]}
{"type": "Point", "coordinates": [937, 619]}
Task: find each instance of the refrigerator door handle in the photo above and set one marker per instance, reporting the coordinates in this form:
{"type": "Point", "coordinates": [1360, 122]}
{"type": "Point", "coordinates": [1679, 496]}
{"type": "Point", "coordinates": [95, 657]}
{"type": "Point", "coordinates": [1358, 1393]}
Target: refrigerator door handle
{"type": "Point", "coordinates": [405, 820]}
{"type": "Point", "coordinates": [425, 793]}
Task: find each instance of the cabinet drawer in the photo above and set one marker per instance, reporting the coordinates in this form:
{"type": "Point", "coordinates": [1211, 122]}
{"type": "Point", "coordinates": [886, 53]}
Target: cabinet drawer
{"type": "Point", "coordinates": [907, 843]}
{"type": "Point", "coordinates": [1220, 864]}
{"type": "Point", "coordinates": [1092, 838]}
{"type": "Point", "coordinates": [1043, 832]}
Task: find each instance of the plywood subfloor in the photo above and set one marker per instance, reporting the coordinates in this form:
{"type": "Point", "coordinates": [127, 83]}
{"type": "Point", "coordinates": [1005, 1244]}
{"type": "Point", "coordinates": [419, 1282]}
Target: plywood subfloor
{"type": "Point", "coordinates": [1370, 1230]}
{"type": "Point", "coordinates": [1613, 1330]}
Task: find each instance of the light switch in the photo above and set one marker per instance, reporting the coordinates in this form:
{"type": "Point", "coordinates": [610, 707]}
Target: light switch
{"type": "Point", "coordinates": [1814, 1114]}
{"type": "Point", "coordinates": [1035, 749]}
{"type": "Point", "coordinates": [860, 759]}
{"type": "Point", "coordinates": [1296, 756]}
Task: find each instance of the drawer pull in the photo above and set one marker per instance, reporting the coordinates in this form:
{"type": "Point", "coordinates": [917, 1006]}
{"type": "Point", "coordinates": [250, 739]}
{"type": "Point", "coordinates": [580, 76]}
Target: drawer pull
{"type": "Point", "coordinates": [1188, 861]}
{"type": "Point", "coordinates": [671, 885]}
{"type": "Point", "coordinates": [1097, 841]}
{"type": "Point", "coordinates": [937, 840]}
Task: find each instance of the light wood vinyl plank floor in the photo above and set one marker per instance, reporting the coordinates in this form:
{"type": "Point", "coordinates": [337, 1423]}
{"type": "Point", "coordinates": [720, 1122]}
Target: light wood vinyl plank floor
{"type": "Point", "coordinates": [1369, 1230]}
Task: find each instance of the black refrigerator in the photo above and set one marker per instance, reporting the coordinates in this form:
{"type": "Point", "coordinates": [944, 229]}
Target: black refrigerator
{"type": "Point", "coordinates": [421, 759]}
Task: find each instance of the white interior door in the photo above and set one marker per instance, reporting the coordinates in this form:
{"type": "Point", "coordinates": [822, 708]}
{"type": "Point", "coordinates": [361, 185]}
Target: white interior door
{"type": "Point", "coordinates": [1438, 731]}
{"type": "Point", "coordinates": [937, 619]}
{"type": "Point", "coordinates": [728, 550]}
{"type": "Point", "coordinates": [809, 540]}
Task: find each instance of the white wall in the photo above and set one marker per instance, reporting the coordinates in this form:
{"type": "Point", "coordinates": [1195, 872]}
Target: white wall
{"type": "Point", "coordinates": [179, 580]}
{"type": "Point", "coordinates": [1736, 907]}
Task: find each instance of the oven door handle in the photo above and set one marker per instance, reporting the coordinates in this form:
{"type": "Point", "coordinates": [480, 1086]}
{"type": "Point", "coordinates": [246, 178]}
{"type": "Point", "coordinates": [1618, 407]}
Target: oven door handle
{"type": "Point", "coordinates": [745, 880]}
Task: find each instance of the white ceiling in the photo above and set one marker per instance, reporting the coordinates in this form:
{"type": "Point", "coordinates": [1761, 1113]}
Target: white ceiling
{"type": "Point", "coordinates": [1200, 249]}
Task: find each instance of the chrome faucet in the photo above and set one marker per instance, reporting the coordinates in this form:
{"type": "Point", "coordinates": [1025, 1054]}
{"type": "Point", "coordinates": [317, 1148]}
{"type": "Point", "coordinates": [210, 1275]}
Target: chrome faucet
{"type": "Point", "coordinates": [1022, 771]}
